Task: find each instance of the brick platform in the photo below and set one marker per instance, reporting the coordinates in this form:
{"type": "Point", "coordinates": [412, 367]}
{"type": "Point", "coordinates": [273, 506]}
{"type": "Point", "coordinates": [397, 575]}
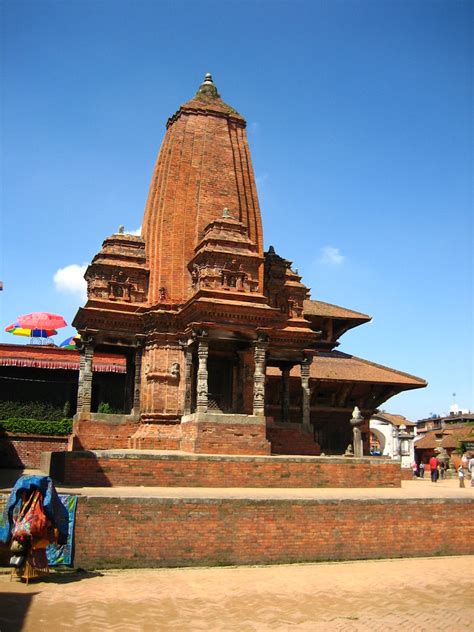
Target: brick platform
{"type": "Point", "coordinates": [96, 431]}
{"type": "Point", "coordinates": [147, 532]}
{"type": "Point", "coordinates": [161, 469]}
{"type": "Point", "coordinates": [211, 433]}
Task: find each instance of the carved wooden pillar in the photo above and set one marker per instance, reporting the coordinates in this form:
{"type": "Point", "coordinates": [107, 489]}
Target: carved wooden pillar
{"type": "Point", "coordinates": [188, 376]}
{"type": "Point", "coordinates": [137, 382]}
{"type": "Point", "coordinates": [285, 394]}
{"type": "Point", "coordinates": [202, 375]}
{"type": "Point", "coordinates": [306, 408]}
{"type": "Point", "coordinates": [260, 350]}
{"type": "Point", "coordinates": [84, 394]}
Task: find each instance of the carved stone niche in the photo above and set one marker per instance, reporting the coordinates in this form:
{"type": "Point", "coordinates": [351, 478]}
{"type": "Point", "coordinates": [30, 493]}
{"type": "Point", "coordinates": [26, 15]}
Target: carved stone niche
{"type": "Point", "coordinates": [119, 272]}
{"type": "Point", "coordinates": [283, 285]}
{"type": "Point", "coordinates": [225, 259]}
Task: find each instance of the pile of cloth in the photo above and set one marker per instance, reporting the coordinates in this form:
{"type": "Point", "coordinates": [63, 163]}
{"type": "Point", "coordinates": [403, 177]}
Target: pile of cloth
{"type": "Point", "coordinates": [34, 518]}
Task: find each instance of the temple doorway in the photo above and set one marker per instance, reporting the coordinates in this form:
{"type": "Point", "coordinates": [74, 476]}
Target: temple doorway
{"type": "Point", "coordinates": [220, 370]}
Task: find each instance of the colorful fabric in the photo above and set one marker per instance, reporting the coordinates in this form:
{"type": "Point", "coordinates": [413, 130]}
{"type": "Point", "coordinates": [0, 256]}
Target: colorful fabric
{"type": "Point", "coordinates": [61, 554]}
{"type": "Point", "coordinates": [32, 521]}
{"type": "Point", "coordinates": [52, 505]}
{"type": "Point", "coordinates": [58, 554]}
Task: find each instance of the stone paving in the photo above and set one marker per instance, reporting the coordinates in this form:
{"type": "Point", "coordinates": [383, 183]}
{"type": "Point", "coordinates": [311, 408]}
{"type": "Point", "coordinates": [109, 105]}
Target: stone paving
{"type": "Point", "coordinates": [411, 594]}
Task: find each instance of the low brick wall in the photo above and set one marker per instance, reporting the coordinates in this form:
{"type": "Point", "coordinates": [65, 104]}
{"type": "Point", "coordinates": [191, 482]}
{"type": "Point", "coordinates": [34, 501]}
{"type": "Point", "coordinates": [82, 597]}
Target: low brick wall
{"type": "Point", "coordinates": [24, 450]}
{"type": "Point", "coordinates": [292, 439]}
{"type": "Point", "coordinates": [147, 532]}
{"type": "Point", "coordinates": [97, 431]}
{"type": "Point", "coordinates": [173, 470]}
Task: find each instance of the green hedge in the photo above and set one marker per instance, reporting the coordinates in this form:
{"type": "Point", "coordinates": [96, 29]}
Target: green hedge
{"type": "Point", "coordinates": [35, 426]}
{"type": "Point", "coordinates": [33, 410]}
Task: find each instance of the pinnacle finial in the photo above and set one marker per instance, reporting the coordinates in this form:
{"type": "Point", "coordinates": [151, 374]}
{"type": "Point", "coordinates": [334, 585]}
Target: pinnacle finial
{"type": "Point", "coordinates": [207, 87]}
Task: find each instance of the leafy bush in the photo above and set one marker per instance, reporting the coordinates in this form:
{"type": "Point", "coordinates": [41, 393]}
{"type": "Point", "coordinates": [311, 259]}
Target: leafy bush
{"type": "Point", "coordinates": [35, 426]}
{"type": "Point", "coordinates": [104, 407]}
{"type": "Point", "coordinates": [31, 410]}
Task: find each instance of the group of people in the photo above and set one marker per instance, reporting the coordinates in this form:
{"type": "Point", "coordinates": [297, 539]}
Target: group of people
{"type": "Point", "coordinates": [438, 469]}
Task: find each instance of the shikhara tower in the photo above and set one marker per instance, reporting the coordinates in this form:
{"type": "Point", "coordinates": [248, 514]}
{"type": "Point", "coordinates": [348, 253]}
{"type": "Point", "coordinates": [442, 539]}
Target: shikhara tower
{"type": "Point", "coordinates": [225, 351]}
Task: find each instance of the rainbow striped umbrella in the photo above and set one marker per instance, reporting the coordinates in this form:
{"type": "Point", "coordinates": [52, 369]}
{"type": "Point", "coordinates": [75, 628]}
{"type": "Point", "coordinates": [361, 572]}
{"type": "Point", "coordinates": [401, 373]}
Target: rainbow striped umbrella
{"type": "Point", "coordinates": [70, 343]}
{"type": "Point", "coordinates": [16, 330]}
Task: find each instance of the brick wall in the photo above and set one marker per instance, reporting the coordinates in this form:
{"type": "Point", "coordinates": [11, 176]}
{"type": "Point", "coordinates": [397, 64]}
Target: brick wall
{"type": "Point", "coordinates": [223, 438]}
{"type": "Point", "coordinates": [291, 439]}
{"type": "Point", "coordinates": [24, 450]}
{"type": "Point", "coordinates": [95, 431]}
{"type": "Point", "coordinates": [89, 468]}
{"type": "Point", "coordinates": [147, 532]}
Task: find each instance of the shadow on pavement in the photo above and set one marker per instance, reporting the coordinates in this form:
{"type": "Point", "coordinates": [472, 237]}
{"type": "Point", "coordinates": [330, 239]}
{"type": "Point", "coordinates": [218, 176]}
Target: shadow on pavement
{"type": "Point", "coordinates": [13, 610]}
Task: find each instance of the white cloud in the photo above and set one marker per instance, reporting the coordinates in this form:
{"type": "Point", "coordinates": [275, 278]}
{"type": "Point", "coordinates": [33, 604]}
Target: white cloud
{"type": "Point", "coordinates": [331, 256]}
{"type": "Point", "coordinates": [138, 231]}
{"type": "Point", "coordinates": [70, 280]}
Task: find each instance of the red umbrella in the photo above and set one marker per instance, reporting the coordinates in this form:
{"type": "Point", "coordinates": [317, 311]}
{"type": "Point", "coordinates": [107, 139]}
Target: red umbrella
{"type": "Point", "coordinates": [42, 320]}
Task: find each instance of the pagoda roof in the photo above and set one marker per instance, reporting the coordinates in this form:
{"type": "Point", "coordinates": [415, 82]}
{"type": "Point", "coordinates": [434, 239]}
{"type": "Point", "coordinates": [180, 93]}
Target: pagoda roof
{"type": "Point", "coordinates": [328, 310]}
{"type": "Point", "coordinates": [343, 367]}
{"type": "Point", "coordinates": [50, 357]}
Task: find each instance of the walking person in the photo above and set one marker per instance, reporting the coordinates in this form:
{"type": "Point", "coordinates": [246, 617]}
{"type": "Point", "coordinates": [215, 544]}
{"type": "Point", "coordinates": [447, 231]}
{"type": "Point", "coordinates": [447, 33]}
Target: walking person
{"type": "Point", "coordinates": [434, 469]}
{"type": "Point", "coordinates": [442, 470]}
{"type": "Point", "coordinates": [461, 476]}
{"type": "Point", "coordinates": [422, 469]}
{"type": "Point", "coordinates": [470, 467]}
{"type": "Point", "coordinates": [414, 468]}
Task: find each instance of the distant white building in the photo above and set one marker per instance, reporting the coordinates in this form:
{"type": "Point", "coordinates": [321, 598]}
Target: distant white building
{"type": "Point", "coordinates": [393, 436]}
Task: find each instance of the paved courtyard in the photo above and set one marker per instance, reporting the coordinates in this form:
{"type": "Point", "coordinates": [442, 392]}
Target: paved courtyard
{"type": "Point", "coordinates": [412, 594]}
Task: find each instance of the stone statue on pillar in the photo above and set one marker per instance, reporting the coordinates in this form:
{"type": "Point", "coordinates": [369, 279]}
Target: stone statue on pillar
{"type": "Point", "coordinates": [356, 422]}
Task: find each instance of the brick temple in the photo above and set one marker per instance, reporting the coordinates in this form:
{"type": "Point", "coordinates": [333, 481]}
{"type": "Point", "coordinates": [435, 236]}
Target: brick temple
{"type": "Point", "coordinates": [225, 351]}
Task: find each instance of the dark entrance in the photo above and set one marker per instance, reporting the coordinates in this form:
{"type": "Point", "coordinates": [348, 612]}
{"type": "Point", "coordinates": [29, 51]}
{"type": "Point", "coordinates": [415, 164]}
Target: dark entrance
{"type": "Point", "coordinates": [220, 378]}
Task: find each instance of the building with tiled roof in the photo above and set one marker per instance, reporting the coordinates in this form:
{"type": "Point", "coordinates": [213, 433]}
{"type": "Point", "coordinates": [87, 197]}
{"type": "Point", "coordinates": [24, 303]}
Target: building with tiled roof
{"type": "Point", "coordinates": [220, 337]}
{"type": "Point", "coordinates": [393, 436]}
{"type": "Point", "coordinates": [456, 437]}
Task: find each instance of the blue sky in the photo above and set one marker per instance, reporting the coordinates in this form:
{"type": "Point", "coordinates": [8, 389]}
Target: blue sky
{"type": "Point", "coordinates": [359, 124]}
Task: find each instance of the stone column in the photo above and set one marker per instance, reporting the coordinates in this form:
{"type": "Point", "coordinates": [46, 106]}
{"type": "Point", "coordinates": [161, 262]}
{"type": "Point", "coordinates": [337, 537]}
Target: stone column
{"type": "Point", "coordinates": [84, 394]}
{"type": "Point", "coordinates": [306, 409]}
{"type": "Point", "coordinates": [188, 375]}
{"type": "Point", "coordinates": [260, 350]}
{"type": "Point", "coordinates": [285, 394]}
{"type": "Point", "coordinates": [356, 421]}
{"type": "Point", "coordinates": [137, 381]}
{"type": "Point", "coordinates": [202, 385]}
